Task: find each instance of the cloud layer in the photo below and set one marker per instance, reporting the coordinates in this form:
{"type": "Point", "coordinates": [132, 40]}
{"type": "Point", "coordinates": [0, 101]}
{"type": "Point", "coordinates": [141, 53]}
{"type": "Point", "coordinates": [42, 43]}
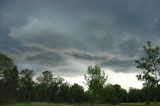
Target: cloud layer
{"type": "Point", "coordinates": [67, 36]}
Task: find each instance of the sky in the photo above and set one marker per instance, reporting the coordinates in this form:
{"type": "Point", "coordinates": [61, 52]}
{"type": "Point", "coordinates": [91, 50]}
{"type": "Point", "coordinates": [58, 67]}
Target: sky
{"type": "Point", "coordinates": [67, 36]}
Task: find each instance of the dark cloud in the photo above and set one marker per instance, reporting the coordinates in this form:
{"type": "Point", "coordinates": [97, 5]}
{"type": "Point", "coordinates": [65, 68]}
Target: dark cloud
{"type": "Point", "coordinates": [47, 58]}
{"type": "Point", "coordinates": [14, 47]}
{"type": "Point", "coordinates": [129, 48]}
{"type": "Point", "coordinates": [120, 65]}
{"type": "Point", "coordinates": [63, 33]}
{"type": "Point", "coordinates": [85, 56]}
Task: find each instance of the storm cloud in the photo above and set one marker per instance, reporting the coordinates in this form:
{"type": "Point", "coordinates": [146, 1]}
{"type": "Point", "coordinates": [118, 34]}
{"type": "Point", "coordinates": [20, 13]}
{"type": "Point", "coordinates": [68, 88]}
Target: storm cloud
{"type": "Point", "coordinates": [67, 36]}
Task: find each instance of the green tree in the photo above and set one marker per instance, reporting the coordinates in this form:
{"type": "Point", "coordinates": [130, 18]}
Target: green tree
{"type": "Point", "coordinates": [44, 82]}
{"type": "Point", "coordinates": [114, 94]}
{"type": "Point", "coordinates": [150, 65]}
{"type": "Point", "coordinates": [121, 94]}
{"type": "Point", "coordinates": [8, 79]}
{"type": "Point", "coordinates": [54, 89]}
{"type": "Point", "coordinates": [109, 94]}
{"type": "Point", "coordinates": [95, 80]}
{"type": "Point", "coordinates": [26, 85]}
{"type": "Point", "coordinates": [5, 63]}
{"type": "Point", "coordinates": [76, 94]}
{"type": "Point", "coordinates": [63, 95]}
{"type": "Point", "coordinates": [136, 95]}
{"type": "Point", "coordinates": [46, 78]}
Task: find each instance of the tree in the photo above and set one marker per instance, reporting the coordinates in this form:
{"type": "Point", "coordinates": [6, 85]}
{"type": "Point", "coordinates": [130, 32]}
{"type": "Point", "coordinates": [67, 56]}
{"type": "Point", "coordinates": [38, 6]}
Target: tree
{"type": "Point", "coordinates": [109, 94]}
{"type": "Point", "coordinates": [46, 78]}
{"type": "Point", "coordinates": [150, 65]}
{"type": "Point", "coordinates": [5, 63]}
{"type": "Point", "coordinates": [54, 89]}
{"type": "Point", "coordinates": [76, 94]}
{"type": "Point", "coordinates": [44, 82]}
{"type": "Point", "coordinates": [136, 95]}
{"type": "Point", "coordinates": [63, 94]}
{"type": "Point", "coordinates": [26, 85]}
{"type": "Point", "coordinates": [121, 94]}
{"type": "Point", "coordinates": [95, 80]}
{"type": "Point", "coordinates": [8, 79]}
{"type": "Point", "coordinates": [114, 94]}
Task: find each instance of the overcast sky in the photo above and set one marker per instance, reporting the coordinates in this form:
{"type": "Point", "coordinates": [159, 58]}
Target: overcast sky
{"type": "Point", "coordinates": [66, 36]}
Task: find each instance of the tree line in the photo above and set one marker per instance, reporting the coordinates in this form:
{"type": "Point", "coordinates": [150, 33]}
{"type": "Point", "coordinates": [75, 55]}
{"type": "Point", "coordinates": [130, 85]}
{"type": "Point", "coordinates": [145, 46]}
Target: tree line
{"type": "Point", "coordinates": [19, 86]}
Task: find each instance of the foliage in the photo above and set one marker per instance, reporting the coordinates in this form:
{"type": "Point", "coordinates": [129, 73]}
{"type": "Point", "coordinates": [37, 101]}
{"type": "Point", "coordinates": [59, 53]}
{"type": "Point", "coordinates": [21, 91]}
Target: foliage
{"type": "Point", "coordinates": [8, 79]}
{"type": "Point", "coordinates": [44, 83]}
{"type": "Point", "coordinates": [26, 85]}
{"type": "Point", "coordinates": [136, 95]}
{"type": "Point", "coordinates": [95, 80]}
{"type": "Point", "coordinates": [76, 94]}
{"type": "Point", "coordinates": [150, 64]}
{"type": "Point", "coordinates": [114, 94]}
{"type": "Point", "coordinates": [46, 78]}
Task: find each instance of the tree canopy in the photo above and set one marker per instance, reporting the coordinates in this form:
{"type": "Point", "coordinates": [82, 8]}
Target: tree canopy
{"type": "Point", "coordinates": [8, 78]}
{"type": "Point", "coordinates": [95, 80]}
{"type": "Point", "coordinates": [150, 65]}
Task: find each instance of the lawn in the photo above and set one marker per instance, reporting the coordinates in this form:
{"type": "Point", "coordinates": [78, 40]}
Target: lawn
{"type": "Point", "coordinates": [51, 104]}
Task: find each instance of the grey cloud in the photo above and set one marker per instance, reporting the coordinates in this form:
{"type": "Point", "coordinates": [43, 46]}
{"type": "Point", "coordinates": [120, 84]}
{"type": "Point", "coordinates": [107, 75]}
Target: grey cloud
{"type": "Point", "coordinates": [12, 46]}
{"type": "Point", "coordinates": [119, 65]}
{"type": "Point", "coordinates": [123, 19]}
{"type": "Point", "coordinates": [68, 71]}
{"type": "Point", "coordinates": [85, 56]}
{"type": "Point", "coordinates": [93, 28]}
{"type": "Point", "coordinates": [47, 58]}
{"type": "Point", "coordinates": [130, 48]}
{"type": "Point", "coordinates": [45, 33]}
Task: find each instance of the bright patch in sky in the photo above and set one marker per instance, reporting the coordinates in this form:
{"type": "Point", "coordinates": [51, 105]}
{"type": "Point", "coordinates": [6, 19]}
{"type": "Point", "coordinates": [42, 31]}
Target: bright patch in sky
{"type": "Point", "coordinates": [125, 80]}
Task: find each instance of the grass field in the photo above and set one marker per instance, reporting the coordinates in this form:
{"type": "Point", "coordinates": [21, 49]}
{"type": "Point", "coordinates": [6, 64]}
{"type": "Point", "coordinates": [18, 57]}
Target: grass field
{"type": "Point", "coordinates": [50, 104]}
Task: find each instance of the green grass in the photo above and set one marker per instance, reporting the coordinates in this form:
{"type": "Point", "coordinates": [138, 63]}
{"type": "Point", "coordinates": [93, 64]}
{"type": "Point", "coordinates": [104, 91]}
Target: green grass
{"type": "Point", "coordinates": [140, 104]}
{"type": "Point", "coordinates": [37, 104]}
{"type": "Point", "coordinates": [51, 104]}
